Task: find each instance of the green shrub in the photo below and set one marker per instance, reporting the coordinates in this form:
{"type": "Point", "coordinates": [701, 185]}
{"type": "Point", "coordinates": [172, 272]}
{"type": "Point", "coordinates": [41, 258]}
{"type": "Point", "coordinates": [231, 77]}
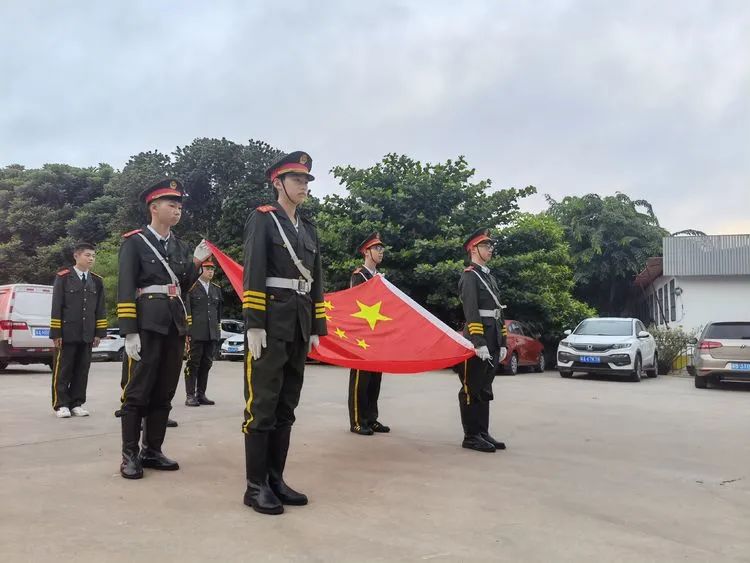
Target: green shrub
{"type": "Point", "coordinates": [670, 343]}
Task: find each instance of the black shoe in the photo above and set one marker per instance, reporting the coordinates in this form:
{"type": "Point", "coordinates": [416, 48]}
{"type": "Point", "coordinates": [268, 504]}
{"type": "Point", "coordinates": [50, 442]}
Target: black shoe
{"type": "Point", "coordinates": [157, 460]}
{"type": "Point", "coordinates": [191, 401]}
{"type": "Point", "coordinates": [203, 400]}
{"type": "Point", "coordinates": [477, 443]}
{"type": "Point", "coordinates": [487, 438]}
{"type": "Point", "coordinates": [131, 467]}
{"type": "Point", "coordinates": [378, 427]}
{"type": "Point", "coordinates": [287, 495]}
{"type": "Point", "coordinates": [118, 413]}
{"type": "Point", "coordinates": [171, 423]}
{"type": "Point", "coordinates": [262, 499]}
{"type": "Point", "coordinates": [362, 430]}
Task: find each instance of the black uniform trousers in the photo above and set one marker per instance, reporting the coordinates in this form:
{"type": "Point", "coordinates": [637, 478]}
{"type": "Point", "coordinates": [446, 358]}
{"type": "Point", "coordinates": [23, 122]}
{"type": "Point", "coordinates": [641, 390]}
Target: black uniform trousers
{"type": "Point", "coordinates": [364, 390]}
{"type": "Point", "coordinates": [476, 392]}
{"type": "Point", "coordinates": [199, 361]}
{"type": "Point", "coordinates": [152, 381]}
{"type": "Point", "coordinates": [70, 374]}
{"type": "Point", "coordinates": [273, 384]}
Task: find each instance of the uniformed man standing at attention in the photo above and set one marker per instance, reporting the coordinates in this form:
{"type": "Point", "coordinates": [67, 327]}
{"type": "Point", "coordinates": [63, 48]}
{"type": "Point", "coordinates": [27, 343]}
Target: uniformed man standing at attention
{"type": "Point", "coordinates": [364, 386]}
{"type": "Point", "coordinates": [284, 315]}
{"type": "Point", "coordinates": [156, 269]}
{"type": "Point", "coordinates": [79, 321]}
{"type": "Point", "coordinates": [203, 303]}
{"type": "Point", "coordinates": [480, 297]}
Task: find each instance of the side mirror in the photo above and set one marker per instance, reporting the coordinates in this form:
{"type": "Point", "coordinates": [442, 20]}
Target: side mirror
{"type": "Point", "coordinates": [568, 332]}
{"type": "Point", "coordinates": [644, 334]}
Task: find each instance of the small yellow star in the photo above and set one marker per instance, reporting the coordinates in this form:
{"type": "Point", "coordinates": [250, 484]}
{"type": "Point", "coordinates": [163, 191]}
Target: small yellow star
{"type": "Point", "coordinates": [370, 313]}
{"type": "Point", "coordinates": [362, 344]}
{"type": "Point", "coordinates": [328, 305]}
{"type": "Point", "coordinates": [328, 317]}
{"type": "Point", "coordinates": [340, 333]}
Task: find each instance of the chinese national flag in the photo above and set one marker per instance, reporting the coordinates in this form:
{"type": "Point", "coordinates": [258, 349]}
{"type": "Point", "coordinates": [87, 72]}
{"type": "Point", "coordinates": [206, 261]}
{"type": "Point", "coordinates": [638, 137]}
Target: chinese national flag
{"type": "Point", "coordinates": [376, 327]}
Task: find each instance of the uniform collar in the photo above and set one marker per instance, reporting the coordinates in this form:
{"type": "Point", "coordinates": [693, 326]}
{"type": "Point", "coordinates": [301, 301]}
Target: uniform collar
{"type": "Point", "coordinates": [157, 235]}
{"type": "Point", "coordinates": [372, 272]}
{"type": "Point", "coordinates": [80, 272]}
{"type": "Point", "coordinates": [205, 285]}
{"type": "Point", "coordinates": [484, 269]}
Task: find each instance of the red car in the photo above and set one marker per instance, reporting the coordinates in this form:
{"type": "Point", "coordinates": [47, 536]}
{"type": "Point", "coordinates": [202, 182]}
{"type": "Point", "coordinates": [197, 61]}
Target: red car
{"type": "Point", "coordinates": [523, 350]}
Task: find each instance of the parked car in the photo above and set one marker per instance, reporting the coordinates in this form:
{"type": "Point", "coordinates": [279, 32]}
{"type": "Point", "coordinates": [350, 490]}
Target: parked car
{"type": "Point", "coordinates": [111, 348]}
{"type": "Point", "coordinates": [722, 352]}
{"type": "Point", "coordinates": [25, 311]}
{"type": "Point", "coordinates": [229, 328]}
{"type": "Point", "coordinates": [608, 345]}
{"type": "Point", "coordinates": [233, 348]}
{"type": "Point", "coordinates": [524, 350]}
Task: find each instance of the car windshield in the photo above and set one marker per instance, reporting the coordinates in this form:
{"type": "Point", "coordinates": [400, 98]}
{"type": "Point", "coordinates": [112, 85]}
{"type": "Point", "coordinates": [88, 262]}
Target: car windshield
{"type": "Point", "coordinates": [739, 331]}
{"type": "Point", "coordinates": [602, 327]}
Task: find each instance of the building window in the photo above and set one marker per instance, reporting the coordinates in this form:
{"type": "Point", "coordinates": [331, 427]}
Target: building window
{"type": "Point", "coordinates": [659, 301]}
{"type": "Point", "coordinates": [666, 303]}
{"type": "Point", "coordinates": [672, 301]}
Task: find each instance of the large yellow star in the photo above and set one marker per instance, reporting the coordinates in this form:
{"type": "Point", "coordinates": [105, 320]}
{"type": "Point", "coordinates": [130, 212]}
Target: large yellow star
{"type": "Point", "coordinates": [340, 333]}
{"type": "Point", "coordinates": [328, 305]}
{"type": "Point", "coordinates": [370, 313]}
{"type": "Point", "coordinates": [362, 344]}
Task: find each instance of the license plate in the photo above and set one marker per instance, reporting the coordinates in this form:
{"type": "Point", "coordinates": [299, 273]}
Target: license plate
{"type": "Point", "coordinates": [40, 333]}
{"type": "Point", "coordinates": [740, 366]}
{"type": "Point", "coordinates": [231, 348]}
{"type": "Point", "coordinates": [590, 359]}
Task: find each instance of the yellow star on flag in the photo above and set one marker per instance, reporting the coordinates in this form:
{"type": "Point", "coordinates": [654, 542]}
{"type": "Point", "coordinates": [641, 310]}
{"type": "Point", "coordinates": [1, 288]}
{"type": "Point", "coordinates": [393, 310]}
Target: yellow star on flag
{"type": "Point", "coordinates": [328, 305]}
{"type": "Point", "coordinates": [340, 333]}
{"type": "Point", "coordinates": [370, 313]}
{"type": "Point", "coordinates": [328, 317]}
{"type": "Point", "coordinates": [362, 344]}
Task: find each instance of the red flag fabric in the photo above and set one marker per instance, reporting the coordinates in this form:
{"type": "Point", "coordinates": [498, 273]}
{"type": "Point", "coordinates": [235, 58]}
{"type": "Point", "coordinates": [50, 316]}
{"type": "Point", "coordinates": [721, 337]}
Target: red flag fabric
{"type": "Point", "coordinates": [377, 327]}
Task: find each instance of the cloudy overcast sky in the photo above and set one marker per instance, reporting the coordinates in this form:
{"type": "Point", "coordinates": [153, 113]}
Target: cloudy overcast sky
{"type": "Point", "coordinates": [649, 98]}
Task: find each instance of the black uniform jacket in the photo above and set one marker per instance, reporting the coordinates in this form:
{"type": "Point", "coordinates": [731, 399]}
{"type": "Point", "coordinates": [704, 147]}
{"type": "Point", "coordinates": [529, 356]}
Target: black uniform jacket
{"type": "Point", "coordinates": [276, 310]}
{"type": "Point", "coordinates": [359, 276]}
{"type": "Point", "coordinates": [474, 295]}
{"type": "Point", "coordinates": [78, 311]}
{"type": "Point", "coordinates": [139, 268]}
{"type": "Point", "coordinates": [204, 311]}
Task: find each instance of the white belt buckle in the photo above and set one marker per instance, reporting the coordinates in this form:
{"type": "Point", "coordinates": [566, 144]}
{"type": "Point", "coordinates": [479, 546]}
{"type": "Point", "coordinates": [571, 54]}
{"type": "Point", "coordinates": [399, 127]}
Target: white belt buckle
{"type": "Point", "coordinates": [303, 286]}
{"type": "Point", "coordinates": [498, 314]}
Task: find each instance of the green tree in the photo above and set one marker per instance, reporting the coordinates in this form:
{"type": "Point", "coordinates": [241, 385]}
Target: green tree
{"type": "Point", "coordinates": [610, 239]}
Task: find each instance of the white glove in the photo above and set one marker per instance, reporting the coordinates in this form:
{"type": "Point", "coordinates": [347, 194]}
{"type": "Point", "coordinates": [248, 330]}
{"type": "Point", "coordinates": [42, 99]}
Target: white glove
{"type": "Point", "coordinates": [201, 252]}
{"type": "Point", "coordinates": [503, 353]}
{"type": "Point", "coordinates": [256, 341]}
{"type": "Point", "coordinates": [483, 353]}
{"type": "Point", "coordinates": [313, 343]}
{"type": "Point", "coordinates": [133, 346]}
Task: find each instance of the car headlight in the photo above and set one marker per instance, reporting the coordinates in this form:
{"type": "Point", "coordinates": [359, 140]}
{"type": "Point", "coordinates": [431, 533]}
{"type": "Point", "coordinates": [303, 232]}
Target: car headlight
{"type": "Point", "coordinates": [565, 343]}
{"type": "Point", "coordinates": [621, 346]}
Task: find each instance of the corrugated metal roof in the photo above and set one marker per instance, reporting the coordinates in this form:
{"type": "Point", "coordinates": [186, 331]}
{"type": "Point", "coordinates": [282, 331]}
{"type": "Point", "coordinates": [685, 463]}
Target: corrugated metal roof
{"type": "Point", "coordinates": [716, 255]}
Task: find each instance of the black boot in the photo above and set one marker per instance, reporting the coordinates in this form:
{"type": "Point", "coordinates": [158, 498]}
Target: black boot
{"type": "Point", "coordinates": [484, 420]}
{"type": "Point", "coordinates": [379, 427]}
{"type": "Point", "coordinates": [171, 423]}
{"type": "Point", "coordinates": [203, 400]}
{"type": "Point", "coordinates": [258, 494]}
{"type": "Point", "coordinates": [278, 446]}
{"type": "Point", "coordinates": [192, 401]}
{"type": "Point", "coordinates": [470, 419]}
{"type": "Point", "coordinates": [155, 428]}
{"type": "Point", "coordinates": [131, 467]}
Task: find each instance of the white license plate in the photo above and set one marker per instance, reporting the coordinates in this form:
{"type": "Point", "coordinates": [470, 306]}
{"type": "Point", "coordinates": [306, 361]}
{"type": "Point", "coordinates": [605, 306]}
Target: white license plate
{"type": "Point", "coordinates": [40, 333]}
{"type": "Point", "coordinates": [591, 359]}
{"type": "Point", "coordinates": [740, 366]}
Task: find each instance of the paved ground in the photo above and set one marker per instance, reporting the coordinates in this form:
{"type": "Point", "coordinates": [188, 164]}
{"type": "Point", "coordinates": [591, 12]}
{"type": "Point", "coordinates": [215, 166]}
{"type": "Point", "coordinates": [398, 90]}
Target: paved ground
{"type": "Point", "coordinates": [596, 470]}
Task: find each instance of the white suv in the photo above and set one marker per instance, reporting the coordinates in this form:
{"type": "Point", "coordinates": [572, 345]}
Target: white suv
{"type": "Point", "coordinates": [608, 345]}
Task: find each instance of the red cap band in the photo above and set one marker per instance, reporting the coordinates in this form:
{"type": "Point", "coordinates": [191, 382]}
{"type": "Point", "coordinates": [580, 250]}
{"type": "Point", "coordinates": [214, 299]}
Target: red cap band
{"type": "Point", "coordinates": [163, 192]}
{"type": "Point", "coordinates": [290, 167]}
{"type": "Point", "coordinates": [476, 240]}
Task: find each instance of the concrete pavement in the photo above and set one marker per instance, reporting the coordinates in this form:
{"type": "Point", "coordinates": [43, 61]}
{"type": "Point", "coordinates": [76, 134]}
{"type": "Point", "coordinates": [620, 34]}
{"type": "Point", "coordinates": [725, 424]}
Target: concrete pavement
{"type": "Point", "coordinates": [596, 470]}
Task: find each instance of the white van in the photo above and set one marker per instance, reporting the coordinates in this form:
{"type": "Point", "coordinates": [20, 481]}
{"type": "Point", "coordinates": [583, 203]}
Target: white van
{"type": "Point", "coordinates": [25, 311]}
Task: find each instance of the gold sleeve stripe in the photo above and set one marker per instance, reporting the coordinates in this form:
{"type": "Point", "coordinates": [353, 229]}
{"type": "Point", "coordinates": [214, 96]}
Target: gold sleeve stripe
{"type": "Point", "coordinates": [255, 306]}
{"type": "Point", "coordinates": [474, 324]}
{"type": "Point", "coordinates": [258, 300]}
{"type": "Point", "coordinates": [126, 316]}
{"type": "Point", "coordinates": [123, 303]}
{"type": "Point", "coordinates": [126, 309]}
{"type": "Point", "coordinates": [320, 304]}
{"type": "Point", "coordinates": [252, 293]}
{"type": "Point", "coordinates": [320, 316]}
{"type": "Point", "coordinates": [475, 331]}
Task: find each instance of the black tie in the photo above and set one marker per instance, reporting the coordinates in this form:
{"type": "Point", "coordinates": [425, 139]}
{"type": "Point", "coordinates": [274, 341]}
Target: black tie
{"type": "Point", "coordinates": [83, 278]}
{"type": "Point", "coordinates": [164, 244]}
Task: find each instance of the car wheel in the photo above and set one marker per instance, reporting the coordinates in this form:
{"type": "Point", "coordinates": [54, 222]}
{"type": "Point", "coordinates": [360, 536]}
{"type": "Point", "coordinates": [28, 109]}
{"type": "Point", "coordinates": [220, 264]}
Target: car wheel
{"type": "Point", "coordinates": [701, 381]}
{"type": "Point", "coordinates": [566, 374]}
{"type": "Point", "coordinates": [512, 368]}
{"type": "Point", "coordinates": [637, 373]}
{"type": "Point", "coordinates": [3, 365]}
{"type": "Point", "coordinates": [541, 363]}
{"type": "Point", "coordinates": [120, 355]}
{"type": "Point", "coordinates": [653, 372]}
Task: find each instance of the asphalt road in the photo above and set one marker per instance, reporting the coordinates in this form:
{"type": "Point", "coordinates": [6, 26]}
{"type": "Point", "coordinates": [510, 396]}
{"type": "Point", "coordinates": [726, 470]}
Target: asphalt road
{"type": "Point", "coordinates": [596, 470]}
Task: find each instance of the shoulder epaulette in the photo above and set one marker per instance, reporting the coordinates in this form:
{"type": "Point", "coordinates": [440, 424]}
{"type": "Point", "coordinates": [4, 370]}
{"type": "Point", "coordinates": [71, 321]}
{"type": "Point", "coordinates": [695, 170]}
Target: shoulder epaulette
{"type": "Point", "coordinates": [193, 286]}
{"type": "Point", "coordinates": [357, 271]}
{"type": "Point", "coordinates": [266, 208]}
{"type": "Point", "coordinates": [216, 285]}
{"type": "Point", "coordinates": [64, 272]}
{"type": "Point", "coordinates": [97, 275]}
{"type": "Point", "coordinates": [469, 269]}
{"type": "Point", "coordinates": [131, 233]}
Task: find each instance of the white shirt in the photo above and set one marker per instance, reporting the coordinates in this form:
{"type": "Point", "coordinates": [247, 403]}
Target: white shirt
{"type": "Point", "coordinates": [80, 273]}
{"type": "Point", "coordinates": [204, 284]}
{"type": "Point", "coordinates": [158, 236]}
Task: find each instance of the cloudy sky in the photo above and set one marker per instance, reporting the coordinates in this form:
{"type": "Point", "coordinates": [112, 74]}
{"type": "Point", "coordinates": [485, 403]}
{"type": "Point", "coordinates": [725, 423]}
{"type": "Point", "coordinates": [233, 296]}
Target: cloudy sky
{"type": "Point", "coordinates": [651, 98]}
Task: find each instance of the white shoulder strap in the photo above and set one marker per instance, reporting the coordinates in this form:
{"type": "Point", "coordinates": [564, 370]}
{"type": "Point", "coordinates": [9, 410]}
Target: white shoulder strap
{"type": "Point", "coordinates": [174, 279]}
{"type": "Point", "coordinates": [494, 297]}
{"type": "Point", "coordinates": [293, 255]}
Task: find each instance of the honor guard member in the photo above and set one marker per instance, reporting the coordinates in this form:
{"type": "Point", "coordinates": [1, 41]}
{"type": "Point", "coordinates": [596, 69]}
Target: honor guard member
{"type": "Point", "coordinates": [480, 297]}
{"type": "Point", "coordinates": [156, 269]}
{"type": "Point", "coordinates": [79, 321]}
{"type": "Point", "coordinates": [203, 303]}
{"type": "Point", "coordinates": [284, 315]}
{"type": "Point", "coordinates": [364, 386]}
